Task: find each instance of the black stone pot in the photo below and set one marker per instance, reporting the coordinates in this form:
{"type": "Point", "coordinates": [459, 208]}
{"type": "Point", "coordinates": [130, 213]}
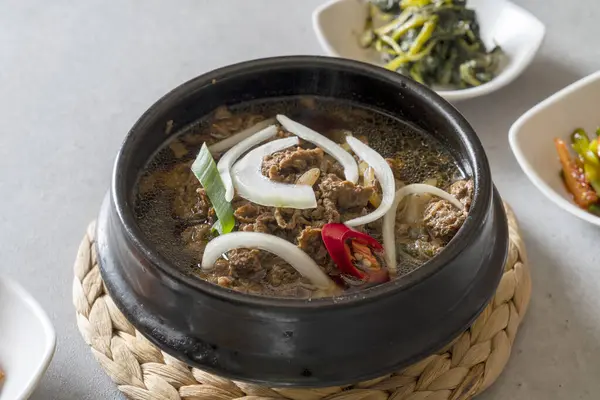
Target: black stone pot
{"type": "Point", "coordinates": [282, 342]}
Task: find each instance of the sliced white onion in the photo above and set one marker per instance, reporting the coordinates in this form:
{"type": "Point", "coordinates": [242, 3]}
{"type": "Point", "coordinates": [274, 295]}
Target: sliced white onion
{"type": "Point", "coordinates": [253, 186]}
{"type": "Point", "coordinates": [384, 175]}
{"type": "Point", "coordinates": [289, 252]}
{"type": "Point", "coordinates": [225, 144]}
{"type": "Point", "coordinates": [227, 160]}
{"type": "Point", "coordinates": [389, 220]}
{"type": "Point", "coordinates": [329, 146]}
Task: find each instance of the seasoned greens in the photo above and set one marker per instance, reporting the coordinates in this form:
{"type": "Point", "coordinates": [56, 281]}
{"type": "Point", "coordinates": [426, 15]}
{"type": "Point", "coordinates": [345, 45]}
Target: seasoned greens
{"type": "Point", "coordinates": [435, 42]}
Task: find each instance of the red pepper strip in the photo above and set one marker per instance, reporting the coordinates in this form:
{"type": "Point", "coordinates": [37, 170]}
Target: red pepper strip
{"type": "Point", "coordinates": [335, 237]}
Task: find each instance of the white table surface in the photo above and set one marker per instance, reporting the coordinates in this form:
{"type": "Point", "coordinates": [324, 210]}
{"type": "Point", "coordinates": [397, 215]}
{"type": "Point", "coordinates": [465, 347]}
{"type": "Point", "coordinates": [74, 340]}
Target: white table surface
{"type": "Point", "coordinates": [75, 75]}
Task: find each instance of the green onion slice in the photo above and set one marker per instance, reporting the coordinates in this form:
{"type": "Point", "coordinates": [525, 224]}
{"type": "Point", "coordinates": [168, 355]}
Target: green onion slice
{"type": "Point", "coordinates": [205, 169]}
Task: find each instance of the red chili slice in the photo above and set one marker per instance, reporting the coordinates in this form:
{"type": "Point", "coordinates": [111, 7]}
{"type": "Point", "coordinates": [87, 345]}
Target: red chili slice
{"type": "Point", "coordinates": [336, 238]}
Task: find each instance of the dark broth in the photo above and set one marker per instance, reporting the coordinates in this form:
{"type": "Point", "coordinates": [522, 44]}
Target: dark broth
{"type": "Point", "coordinates": [422, 156]}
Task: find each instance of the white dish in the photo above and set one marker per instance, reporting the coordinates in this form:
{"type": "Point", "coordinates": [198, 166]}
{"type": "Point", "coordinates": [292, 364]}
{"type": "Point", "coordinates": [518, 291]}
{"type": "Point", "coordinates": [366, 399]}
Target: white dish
{"type": "Point", "coordinates": [27, 341]}
{"type": "Point", "coordinates": [532, 136]}
{"type": "Point", "coordinates": [339, 22]}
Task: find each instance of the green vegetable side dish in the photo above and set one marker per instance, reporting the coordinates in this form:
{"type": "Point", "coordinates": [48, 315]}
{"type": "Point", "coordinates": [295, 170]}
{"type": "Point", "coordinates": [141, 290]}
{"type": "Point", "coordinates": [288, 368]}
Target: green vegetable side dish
{"type": "Point", "coordinates": [435, 42]}
{"type": "Point", "coordinates": [205, 169]}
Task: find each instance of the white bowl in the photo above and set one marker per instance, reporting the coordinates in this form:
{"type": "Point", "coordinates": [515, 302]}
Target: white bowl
{"type": "Point", "coordinates": [531, 138]}
{"type": "Point", "coordinates": [27, 341]}
{"type": "Point", "coordinates": [339, 22]}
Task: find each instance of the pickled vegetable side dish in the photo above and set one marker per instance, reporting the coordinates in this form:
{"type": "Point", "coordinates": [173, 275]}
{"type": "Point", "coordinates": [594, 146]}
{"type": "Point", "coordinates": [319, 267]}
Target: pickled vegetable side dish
{"type": "Point", "coordinates": [581, 174]}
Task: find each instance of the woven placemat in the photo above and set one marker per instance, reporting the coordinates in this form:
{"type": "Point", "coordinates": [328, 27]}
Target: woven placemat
{"type": "Point", "coordinates": [465, 368]}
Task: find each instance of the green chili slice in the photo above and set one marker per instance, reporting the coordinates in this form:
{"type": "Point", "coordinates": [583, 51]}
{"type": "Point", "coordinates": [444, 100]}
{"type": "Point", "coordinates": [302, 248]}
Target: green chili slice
{"type": "Point", "coordinates": [205, 169]}
{"type": "Point", "coordinates": [594, 147]}
{"type": "Point", "coordinates": [580, 140]}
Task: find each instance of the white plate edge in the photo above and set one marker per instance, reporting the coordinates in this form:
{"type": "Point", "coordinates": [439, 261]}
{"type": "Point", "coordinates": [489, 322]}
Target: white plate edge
{"type": "Point", "coordinates": [49, 334]}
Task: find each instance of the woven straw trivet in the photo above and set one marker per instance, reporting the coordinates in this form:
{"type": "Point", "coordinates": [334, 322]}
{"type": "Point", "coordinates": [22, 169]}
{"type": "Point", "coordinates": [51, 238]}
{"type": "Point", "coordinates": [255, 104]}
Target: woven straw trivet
{"type": "Point", "coordinates": [465, 368]}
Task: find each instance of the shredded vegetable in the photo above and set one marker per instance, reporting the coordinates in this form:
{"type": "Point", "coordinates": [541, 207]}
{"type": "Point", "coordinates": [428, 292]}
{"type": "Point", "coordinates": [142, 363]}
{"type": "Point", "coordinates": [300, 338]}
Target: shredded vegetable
{"type": "Point", "coordinates": [289, 252]}
{"type": "Point", "coordinates": [384, 175]}
{"type": "Point", "coordinates": [332, 148]}
{"type": "Point", "coordinates": [253, 186]}
{"type": "Point", "coordinates": [389, 221]}
{"type": "Point", "coordinates": [232, 140]}
{"type": "Point", "coordinates": [227, 160]}
{"type": "Point", "coordinates": [205, 169]}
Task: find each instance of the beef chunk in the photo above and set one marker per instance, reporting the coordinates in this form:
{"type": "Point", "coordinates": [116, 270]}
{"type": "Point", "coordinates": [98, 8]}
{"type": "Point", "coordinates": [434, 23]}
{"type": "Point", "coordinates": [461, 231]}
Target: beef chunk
{"type": "Point", "coordinates": [443, 220]}
{"type": "Point", "coordinates": [285, 166]}
{"type": "Point", "coordinates": [265, 223]}
{"type": "Point", "coordinates": [225, 123]}
{"type": "Point", "coordinates": [311, 242]}
{"type": "Point", "coordinates": [344, 194]}
{"type": "Point", "coordinates": [245, 264]}
{"type": "Point", "coordinates": [247, 213]}
{"type": "Point", "coordinates": [355, 213]}
{"type": "Point", "coordinates": [281, 274]}
{"type": "Point", "coordinates": [190, 200]}
{"type": "Point", "coordinates": [289, 218]}
{"type": "Point", "coordinates": [325, 212]}
{"type": "Point", "coordinates": [250, 270]}
{"type": "Point", "coordinates": [330, 166]}
{"type": "Point", "coordinates": [195, 238]}
{"type": "Point", "coordinates": [192, 204]}
{"type": "Point", "coordinates": [300, 159]}
{"type": "Point", "coordinates": [463, 191]}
